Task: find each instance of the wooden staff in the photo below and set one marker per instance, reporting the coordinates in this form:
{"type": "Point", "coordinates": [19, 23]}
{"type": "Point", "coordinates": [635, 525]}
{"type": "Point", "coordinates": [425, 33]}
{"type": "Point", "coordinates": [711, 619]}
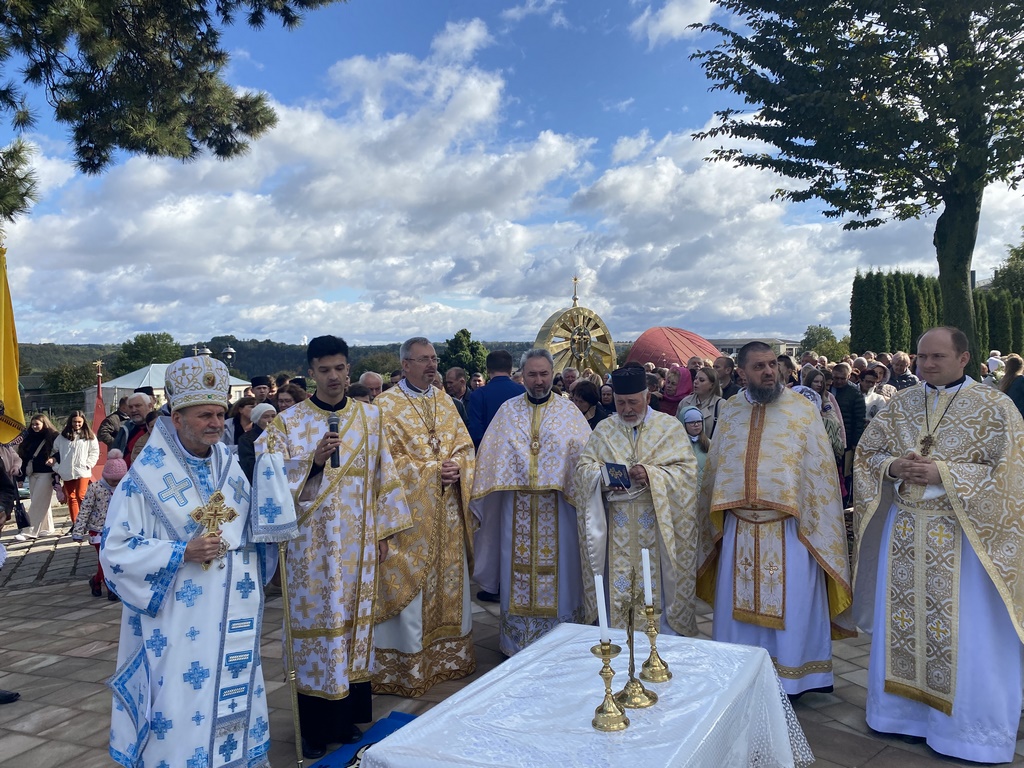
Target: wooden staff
{"type": "Point", "coordinates": [282, 549]}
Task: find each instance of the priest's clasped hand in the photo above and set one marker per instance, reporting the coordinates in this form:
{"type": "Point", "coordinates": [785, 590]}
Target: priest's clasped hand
{"type": "Point", "coordinates": [203, 549]}
{"type": "Point", "coordinates": [916, 470]}
{"type": "Point", "coordinates": [449, 473]}
{"type": "Point", "coordinates": [638, 475]}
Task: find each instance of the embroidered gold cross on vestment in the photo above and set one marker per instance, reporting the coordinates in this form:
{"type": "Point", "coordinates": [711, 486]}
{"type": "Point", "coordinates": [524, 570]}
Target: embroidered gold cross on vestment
{"type": "Point", "coordinates": [212, 515]}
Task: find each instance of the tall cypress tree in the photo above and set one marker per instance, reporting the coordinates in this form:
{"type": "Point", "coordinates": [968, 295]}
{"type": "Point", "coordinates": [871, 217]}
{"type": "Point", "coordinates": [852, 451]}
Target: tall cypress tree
{"type": "Point", "coordinates": [1017, 316]}
{"type": "Point", "coordinates": [981, 320]}
{"type": "Point", "coordinates": [940, 312]}
{"type": "Point", "coordinates": [875, 307]}
{"type": "Point", "coordinates": [858, 306]}
{"type": "Point", "coordinates": [899, 314]}
{"type": "Point", "coordinates": [916, 310]}
{"type": "Point", "coordinates": [1000, 322]}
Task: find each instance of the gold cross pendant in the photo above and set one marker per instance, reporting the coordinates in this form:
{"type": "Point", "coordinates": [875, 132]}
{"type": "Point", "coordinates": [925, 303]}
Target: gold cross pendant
{"type": "Point", "coordinates": [435, 443]}
{"type": "Point", "coordinates": [212, 515]}
{"type": "Point", "coordinates": [927, 443]}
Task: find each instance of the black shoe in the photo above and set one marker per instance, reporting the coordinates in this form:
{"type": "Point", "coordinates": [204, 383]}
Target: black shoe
{"type": "Point", "coordinates": [313, 751]}
{"type": "Point", "coordinates": [354, 736]}
{"type": "Point", "coordinates": [112, 597]}
{"type": "Point", "coordinates": [9, 697]}
{"type": "Point", "coordinates": [94, 585]}
{"type": "Point", "coordinates": [488, 597]}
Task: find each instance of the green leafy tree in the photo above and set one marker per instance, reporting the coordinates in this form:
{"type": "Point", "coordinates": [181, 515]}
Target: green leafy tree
{"type": "Point", "coordinates": [1010, 275]}
{"type": "Point", "coordinates": [17, 180]}
{"type": "Point", "coordinates": [873, 330]}
{"type": "Point", "coordinates": [463, 352]}
{"type": "Point", "coordinates": [859, 308]}
{"type": "Point", "coordinates": [144, 349]}
{"type": "Point", "coordinates": [822, 339]}
{"type": "Point", "coordinates": [622, 353]}
{"type": "Point", "coordinates": [880, 110]}
{"type": "Point", "coordinates": [916, 311]}
{"type": "Point", "coordinates": [378, 362]}
{"type": "Point", "coordinates": [1017, 323]}
{"type": "Point", "coordinates": [145, 77]}
{"type": "Point", "coordinates": [69, 378]}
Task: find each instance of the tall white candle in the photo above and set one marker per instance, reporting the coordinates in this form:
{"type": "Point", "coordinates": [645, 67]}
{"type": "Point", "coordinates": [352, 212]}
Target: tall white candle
{"type": "Point", "coordinates": [645, 556]}
{"type": "Point", "coordinates": [602, 611]}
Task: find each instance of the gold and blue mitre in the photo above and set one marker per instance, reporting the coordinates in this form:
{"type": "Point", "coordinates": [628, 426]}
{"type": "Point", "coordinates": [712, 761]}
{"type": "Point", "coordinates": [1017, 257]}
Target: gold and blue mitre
{"type": "Point", "coordinates": [198, 380]}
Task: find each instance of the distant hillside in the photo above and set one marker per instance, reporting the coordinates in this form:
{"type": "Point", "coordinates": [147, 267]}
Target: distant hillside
{"type": "Point", "coordinates": [39, 358]}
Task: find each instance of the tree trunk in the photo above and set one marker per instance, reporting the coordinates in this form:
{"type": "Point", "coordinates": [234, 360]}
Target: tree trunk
{"type": "Point", "coordinates": [956, 233]}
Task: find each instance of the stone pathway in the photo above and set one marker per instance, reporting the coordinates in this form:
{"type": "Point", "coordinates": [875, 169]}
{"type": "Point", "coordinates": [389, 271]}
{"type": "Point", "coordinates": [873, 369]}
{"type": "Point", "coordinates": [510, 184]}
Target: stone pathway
{"type": "Point", "coordinates": [58, 645]}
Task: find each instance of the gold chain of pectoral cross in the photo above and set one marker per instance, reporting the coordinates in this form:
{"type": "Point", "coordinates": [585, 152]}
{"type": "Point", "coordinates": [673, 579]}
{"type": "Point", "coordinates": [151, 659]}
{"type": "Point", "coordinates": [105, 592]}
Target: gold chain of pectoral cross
{"type": "Point", "coordinates": [634, 434]}
{"type": "Point", "coordinates": [433, 439]}
{"type": "Point", "coordinates": [211, 516]}
{"type": "Point", "coordinates": [928, 441]}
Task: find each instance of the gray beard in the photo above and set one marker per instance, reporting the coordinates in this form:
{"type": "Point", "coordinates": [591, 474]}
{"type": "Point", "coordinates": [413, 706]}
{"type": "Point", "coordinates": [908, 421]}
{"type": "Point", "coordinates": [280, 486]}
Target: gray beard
{"type": "Point", "coordinates": [765, 395]}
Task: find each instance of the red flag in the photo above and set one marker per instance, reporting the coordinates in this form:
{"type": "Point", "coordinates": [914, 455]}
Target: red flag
{"type": "Point", "coordinates": [99, 413]}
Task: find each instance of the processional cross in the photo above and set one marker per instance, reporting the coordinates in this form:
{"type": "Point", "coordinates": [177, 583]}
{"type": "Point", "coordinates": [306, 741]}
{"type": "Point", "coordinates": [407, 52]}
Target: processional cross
{"type": "Point", "coordinates": [211, 516]}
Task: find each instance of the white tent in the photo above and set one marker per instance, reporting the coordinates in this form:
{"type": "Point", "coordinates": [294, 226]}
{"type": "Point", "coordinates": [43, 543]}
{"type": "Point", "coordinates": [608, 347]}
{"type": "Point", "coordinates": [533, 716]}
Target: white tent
{"type": "Point", "coordinates": [149, 376]}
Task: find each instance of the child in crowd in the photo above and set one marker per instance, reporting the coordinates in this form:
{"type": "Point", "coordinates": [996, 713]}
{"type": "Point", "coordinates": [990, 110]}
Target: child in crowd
{"type": "Point", "coordinates": [93, 514]}
{"type": "Point", "coordinates": [693, 420]}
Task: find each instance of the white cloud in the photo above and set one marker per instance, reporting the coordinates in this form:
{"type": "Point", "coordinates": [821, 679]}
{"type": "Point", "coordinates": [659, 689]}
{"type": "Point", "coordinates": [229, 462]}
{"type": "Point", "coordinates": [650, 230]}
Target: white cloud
{"type": "Point", "coordinates": [461, 40]}
{"type": "Point", "coordinates": [672, 21]}
{"type": "Point", "coordinates": [629, 147]}
{"type": "Point", "coordinates": [537, 8]}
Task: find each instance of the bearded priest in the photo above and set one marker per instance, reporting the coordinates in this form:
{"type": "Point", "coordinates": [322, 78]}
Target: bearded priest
{"type": "Point", "coordinates": [655, 509]}
{"type": "Point", "coordinates": [528, 543]}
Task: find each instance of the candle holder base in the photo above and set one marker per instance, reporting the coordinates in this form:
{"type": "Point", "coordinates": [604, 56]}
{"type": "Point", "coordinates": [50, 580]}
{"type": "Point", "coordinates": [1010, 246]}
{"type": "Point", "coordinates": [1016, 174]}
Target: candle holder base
{"type": "Point", "coordinates": [655, 669]}
{"type": "Point", "coordinates": [609, 716]}
{"type": "Point", "coordinates": [635, 696]}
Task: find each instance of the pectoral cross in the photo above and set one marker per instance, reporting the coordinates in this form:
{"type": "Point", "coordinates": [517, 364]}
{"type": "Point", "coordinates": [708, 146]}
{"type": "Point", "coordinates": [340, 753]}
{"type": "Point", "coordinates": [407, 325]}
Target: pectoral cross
{"type": "Point", "coordinates": [211, 515]}
{"type": "Point", "coordinates": [927, 443]}
{"type": "Point", "coordinates": [435, 443]}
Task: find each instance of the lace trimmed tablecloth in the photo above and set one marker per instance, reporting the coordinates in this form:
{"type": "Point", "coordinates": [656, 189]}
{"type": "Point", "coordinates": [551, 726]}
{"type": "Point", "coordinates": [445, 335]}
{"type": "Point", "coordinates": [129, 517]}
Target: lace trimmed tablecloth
{"type": "Point", "coordinates": [723, 707]}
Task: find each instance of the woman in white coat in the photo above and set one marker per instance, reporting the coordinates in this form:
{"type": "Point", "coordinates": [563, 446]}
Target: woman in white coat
{"type": "Point", "coordinates": [75, 452]}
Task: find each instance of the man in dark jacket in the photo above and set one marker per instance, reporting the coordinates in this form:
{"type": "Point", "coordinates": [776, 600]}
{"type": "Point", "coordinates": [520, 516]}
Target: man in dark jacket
{"type": "Point", "coordinates": [854, 411]}
{"type": "Point", "coordinates": [107, 433]}
{"type": "Point", "coordinates": [485, 402]}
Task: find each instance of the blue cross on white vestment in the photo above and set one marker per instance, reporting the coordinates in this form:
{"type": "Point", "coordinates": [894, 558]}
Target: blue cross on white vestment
{"type": "Point", "coordinates": [174, 489]}
{"type": "Point", "coordinates": [153, 457]}
{"type": "Point", "coordinates": [270, 510]}
{"type": "Point", "coordinates": [238, 486]}
{"type": "Point", "coordinates": [188, 593]}
{"type": "Point", "coordinates": [160, 725]}
{"type": "Point", "coordinates": [245, 586]}
{"type": "Point", "coordinates": [157, 643]}
{"type": "Point", "coordinates": [197, 675]}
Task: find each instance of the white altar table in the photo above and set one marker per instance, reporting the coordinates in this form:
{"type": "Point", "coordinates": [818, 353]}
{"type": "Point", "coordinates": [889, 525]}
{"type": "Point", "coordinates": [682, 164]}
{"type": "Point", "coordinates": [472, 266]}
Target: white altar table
{"type": "Point", "coordinates": [723, 707]}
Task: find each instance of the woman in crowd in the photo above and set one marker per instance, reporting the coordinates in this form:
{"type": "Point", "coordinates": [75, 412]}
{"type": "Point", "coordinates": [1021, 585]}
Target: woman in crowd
{"type": "Point", "coordinates": [608, 398]}
{"type": "Point", "coordinates": [587, 398]}
{"type": "Point", "coordinates": [288, 395]}
{"type": "Point", "coordinates": [75, 452]}
{"type": "Point", "coordinates": [35, 451]}
{"type": "Point", "coordinates": [1012, 384]}
{"type": "Point", "coordinates": [238, 421]}
{"type": "Point", "coordinates": [706, 398]}
{"type": "Point", "coordinates": [787, 370]}
{"type": "Point", "coordinates": [816, 380]}
{"type": "Point", "coordinates": [693, 420]}
{"type": "Point", "coordinates": [262, 415]}
{"type": "Point", "coordinates": [677, 386]}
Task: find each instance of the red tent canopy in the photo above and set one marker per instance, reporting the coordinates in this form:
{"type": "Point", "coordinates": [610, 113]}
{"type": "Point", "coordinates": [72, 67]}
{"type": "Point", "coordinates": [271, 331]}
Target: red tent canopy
{"type": "Point", "coordinates": [664, 346]}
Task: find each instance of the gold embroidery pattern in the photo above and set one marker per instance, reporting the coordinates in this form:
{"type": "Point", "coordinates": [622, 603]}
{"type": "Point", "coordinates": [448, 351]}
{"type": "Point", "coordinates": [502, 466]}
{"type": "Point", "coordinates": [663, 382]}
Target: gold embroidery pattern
{"type": "Point", "coordinates": [759, 573]}
{"type": "Point", "coordinates": [922, 605]}
{"type": "Point", "coordinates": [796, 673]}
{"type": "Point", "coordinates": [413, 674]}
{"type": "Point", "coordinates": [534, 554]}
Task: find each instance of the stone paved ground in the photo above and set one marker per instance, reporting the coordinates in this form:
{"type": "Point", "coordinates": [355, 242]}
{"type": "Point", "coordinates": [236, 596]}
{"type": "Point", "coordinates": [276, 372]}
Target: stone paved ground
{"type": "Point", "coordinates": [58, 644]}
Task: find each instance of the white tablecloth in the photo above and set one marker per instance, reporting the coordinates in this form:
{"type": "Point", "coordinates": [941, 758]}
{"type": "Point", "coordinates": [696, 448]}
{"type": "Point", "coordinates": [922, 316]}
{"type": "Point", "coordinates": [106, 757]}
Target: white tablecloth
{"type": "Point", "coordinates": [722, 707]}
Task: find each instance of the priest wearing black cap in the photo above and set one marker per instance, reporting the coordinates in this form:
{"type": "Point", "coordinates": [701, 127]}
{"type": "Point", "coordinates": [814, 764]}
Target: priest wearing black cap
{"type": "Point", "coordinates": [655, 511]}
{"type": "Point", "coordinates": [260, 388]}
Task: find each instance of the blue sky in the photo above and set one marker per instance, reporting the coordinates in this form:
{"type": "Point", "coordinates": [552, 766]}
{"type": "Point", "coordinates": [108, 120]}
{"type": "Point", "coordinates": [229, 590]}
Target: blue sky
{"type": "Point", "coordinates": [440, 165]}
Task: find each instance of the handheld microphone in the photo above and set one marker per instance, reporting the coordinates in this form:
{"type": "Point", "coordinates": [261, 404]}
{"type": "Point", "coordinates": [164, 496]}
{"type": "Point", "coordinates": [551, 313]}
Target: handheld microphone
{"type": "Point", "coordinates": [332, 427]}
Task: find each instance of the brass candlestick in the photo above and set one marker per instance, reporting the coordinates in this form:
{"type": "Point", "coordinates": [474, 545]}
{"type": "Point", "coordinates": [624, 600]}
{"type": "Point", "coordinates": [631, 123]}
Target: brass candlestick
{"type": "Point", "coordinates": [634, 695]}
{"type": "Point", "coordinates": [654, 670]}
{"type": "Point", "coordinates": [609, 716]}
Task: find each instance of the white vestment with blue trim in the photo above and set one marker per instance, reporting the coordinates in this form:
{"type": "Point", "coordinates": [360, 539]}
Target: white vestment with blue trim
{"type": "Point", "coordinates": [188, 689]}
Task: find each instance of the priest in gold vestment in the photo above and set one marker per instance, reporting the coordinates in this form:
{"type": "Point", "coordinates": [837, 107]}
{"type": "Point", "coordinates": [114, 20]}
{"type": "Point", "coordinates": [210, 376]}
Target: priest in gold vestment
{"type": "Point", "coordinates": [657, 512]}
{"type": "Point", "coordinates": [528, 542]}
{"type": "Point", "coordinates": [939, 489]}
{"type": "Point", "coordinates": [770, 496]}
{"type": "Point", "coordinates": [346, 514]}
{"type": "Point", "coordinates": [424, 616]}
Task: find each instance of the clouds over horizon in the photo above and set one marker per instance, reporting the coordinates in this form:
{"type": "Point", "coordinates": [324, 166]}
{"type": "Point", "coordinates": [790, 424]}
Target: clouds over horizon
{"type": "Point", "coordinates": [402, 202]}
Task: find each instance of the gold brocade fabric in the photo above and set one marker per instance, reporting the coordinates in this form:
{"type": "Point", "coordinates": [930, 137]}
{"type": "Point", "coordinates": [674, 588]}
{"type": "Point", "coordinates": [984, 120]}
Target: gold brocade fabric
{"type": "Point", "coordinates": [331, 566]}
{"type": "Point", "coordinates": [979, 453]}
{"type": "Point", "coordinates": [759, 573]}
{"type": "Point", "coordinates": [777, 459]}
{"type": "Point", "coordinates": [531, 451]}
{"type": "Point", "coordinates": [428, 557]}
{"type": "Point", "coordinates": [661, 518]}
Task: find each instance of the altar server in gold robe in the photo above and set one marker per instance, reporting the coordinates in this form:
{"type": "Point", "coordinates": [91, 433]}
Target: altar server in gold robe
{"type": "Point", "coordinates": [424, 615]}
{"type": "Point", "coordinates": [523, 492]}
{"type": "Point", "coordinates": [770, 495]}
{"type": "Point", "coordinates": [346, 515]}
{"type": "Point", "coordinates": [657, 511]}
{"type": "Point", "coordinates": [939, 477]}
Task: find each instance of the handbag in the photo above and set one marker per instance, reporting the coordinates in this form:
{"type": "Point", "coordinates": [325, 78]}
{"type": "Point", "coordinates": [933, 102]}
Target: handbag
{"type": "Point", "coordinates": [58, 489]}
{"type": "Point", "coordinates": [27, 466]}
{"type": "Point", "coordinates": [21, 515]}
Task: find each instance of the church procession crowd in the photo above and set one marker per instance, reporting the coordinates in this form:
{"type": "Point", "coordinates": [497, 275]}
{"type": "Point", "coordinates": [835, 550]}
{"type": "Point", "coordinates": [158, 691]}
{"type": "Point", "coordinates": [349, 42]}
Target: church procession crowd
{"type": "Point", "coordinates": [375, 504]}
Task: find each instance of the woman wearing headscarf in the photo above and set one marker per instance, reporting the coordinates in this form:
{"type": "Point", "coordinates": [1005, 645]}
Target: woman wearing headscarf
{"type": "Point", "coordinates": [678, 385]}
{"type": "Point", "coordinates": [706, 398]}
{"type": "Point", "coordinates": [693, 420]}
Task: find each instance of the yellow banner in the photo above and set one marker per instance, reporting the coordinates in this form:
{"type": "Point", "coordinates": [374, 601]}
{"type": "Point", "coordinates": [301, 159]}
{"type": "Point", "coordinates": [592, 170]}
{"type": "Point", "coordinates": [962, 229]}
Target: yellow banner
{"type": "Point", "coordinates": [12, 422]}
